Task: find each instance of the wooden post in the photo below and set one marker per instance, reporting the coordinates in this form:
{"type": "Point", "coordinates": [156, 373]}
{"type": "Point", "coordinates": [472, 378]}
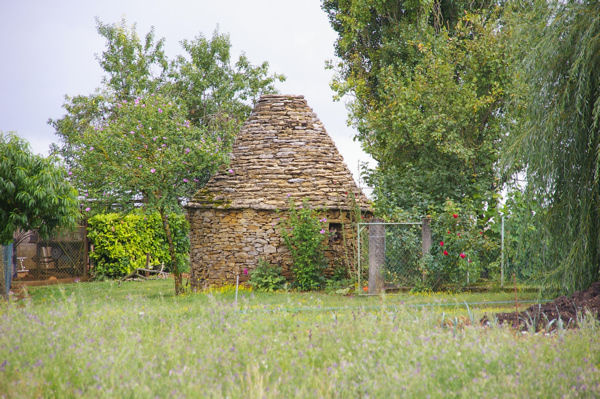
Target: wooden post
{"type": "Point", "coordinates": [376, 256]}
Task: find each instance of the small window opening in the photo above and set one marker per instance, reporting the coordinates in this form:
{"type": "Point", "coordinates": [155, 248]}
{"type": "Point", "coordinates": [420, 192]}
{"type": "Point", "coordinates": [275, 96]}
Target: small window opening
{"type": "Point", "coordinates": [335, 232]}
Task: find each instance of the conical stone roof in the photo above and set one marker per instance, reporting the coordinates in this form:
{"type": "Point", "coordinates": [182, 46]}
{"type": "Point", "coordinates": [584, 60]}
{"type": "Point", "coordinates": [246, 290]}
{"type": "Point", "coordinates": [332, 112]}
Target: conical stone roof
{"type": "Point", "coordinates": [282, 152]}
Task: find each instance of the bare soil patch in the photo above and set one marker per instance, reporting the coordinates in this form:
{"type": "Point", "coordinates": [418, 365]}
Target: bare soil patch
{"type": "Point", "coordinates": [566, 309]}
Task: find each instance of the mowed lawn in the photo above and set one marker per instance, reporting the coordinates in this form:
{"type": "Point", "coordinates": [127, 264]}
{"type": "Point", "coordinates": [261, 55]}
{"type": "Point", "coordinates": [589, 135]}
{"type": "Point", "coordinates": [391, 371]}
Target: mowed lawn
{"type": "Point", "coordinates": [136, 340]}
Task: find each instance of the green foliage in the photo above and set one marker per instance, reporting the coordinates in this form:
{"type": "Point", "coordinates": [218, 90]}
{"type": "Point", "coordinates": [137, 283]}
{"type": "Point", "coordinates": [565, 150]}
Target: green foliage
{"type": "Point", "coordinates": [305, 236]}
{"type": "Point", "coordinates": [266, 277]}
{"type": "Point", "coordinates": [558, 108]}
{"type": "Point", "coordinates": [528, 249]}
{"type": "Point", "coordinates": [122, 242]}
{"type": "Point", "coordinates": [147, 153]}
{"type": "Point", "coordinates": [428, 81]}
{"type": "Point", "coordinates": [34, 193]}
{"type": "Point", "coordinates": [215, 93]}
{"type": "Point", "coordinates": [464, 249]}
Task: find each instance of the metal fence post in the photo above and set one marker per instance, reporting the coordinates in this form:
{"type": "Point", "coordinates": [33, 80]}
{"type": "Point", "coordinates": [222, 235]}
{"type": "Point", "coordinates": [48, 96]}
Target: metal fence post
{"type": "Point", "coordinates": [425, 239]}
{"type": "Point", "coordinates": [376, 256]}
{"type": "Point", "coordinates": [426, 234]}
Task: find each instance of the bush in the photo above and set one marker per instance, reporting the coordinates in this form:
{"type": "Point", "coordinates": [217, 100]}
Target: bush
{"type": "Point", "coordinates": [305, 236]}
{"type": "Point", "coordinates": [122, 242]}
{"type": "Point", "coordinates": [266, 277]}
{"type": "Point", "coordinates": [462, 245]}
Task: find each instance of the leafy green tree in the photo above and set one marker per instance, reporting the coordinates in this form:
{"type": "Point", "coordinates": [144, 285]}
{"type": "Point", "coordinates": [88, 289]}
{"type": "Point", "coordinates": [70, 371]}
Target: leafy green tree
{"type": "Point", "coordinates": [34, 191]}
{"type": "Point", "coordinates": [156, 129]}
{"type": "Point", "coordinates": [559, 111]}
{"type": "Point", "coordinates": [147, 155]}
{"type": "Point", "coordinates": [428, 84]}
{"type": "Point", "coordinates": [218, 94]}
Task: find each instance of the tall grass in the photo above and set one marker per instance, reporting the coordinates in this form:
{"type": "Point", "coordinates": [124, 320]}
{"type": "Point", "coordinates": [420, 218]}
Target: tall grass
{"type": "Point", "coordinates": [138, 341]}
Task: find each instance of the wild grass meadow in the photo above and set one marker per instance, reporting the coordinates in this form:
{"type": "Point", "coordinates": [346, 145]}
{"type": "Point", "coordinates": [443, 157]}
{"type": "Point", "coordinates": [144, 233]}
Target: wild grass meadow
{"type": "Point", "coordinates": [137, 340]}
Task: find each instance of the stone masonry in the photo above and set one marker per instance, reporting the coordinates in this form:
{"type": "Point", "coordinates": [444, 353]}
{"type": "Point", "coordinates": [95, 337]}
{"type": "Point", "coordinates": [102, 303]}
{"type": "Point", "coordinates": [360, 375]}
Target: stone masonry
{"type": "Point", "coordinates": [281, 152]}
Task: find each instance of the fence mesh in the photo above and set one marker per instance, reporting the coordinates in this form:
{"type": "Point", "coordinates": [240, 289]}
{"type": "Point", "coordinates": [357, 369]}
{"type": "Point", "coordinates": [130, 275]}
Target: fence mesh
{"type": "Point", "coordinates": [60, 256]}
{"type": "Point", "coordinates": [398, 246]}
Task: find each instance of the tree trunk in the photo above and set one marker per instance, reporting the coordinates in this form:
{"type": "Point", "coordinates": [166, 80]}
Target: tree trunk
{"type": "Point", "coordinates": [174, 267]}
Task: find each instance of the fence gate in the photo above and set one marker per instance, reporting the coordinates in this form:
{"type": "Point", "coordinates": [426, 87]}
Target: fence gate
{"type": "Point", "coordinates": [389, 254]}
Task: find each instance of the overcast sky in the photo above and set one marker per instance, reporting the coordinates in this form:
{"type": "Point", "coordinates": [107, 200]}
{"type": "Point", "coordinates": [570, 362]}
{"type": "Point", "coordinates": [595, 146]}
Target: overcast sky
{"type": "Point", "coordinates": [48, 50]}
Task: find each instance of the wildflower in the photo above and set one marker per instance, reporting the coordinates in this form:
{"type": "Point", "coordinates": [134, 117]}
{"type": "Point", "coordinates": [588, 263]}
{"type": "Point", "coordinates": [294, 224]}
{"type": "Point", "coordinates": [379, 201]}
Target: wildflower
{"type": "Point", "coordinates": [91, 148]}
{"type": "Point", "coordinates": [458, 234]}
{"type": "Point", "coordinates": [441, 243]}
{"type": "Point", "coordinates": [185, 180]}
{"type": "Point", "coordinates": [366, 289]}
{"type": "Point", "coordinates": [454, 215]}
{"type": "Point", "coordinates": [445, 252]}
{"type": "Point", "coordinates": [323, 220]}
{"type": "Point", "coordinates": [187, 150]}
{"type": "Point", "coordinates": [131, 132]}
{"type": "Point", "coordinates": [152, 170]}
{"type": "Point", "coordinates": [160, 110]}
{"type": "Point", "coordinates": [230, 171]}
{"type": "Point", "coordinates": [322, 231]}
{"type": "Point", "coordinates": [462, 255]}
{"type": "Point", "coordinates": [136, 101]}
{"type": "Point", "coordinates": [70, 173]}
{"type": "Point", "coordinates": [87, 209]}
{"type": "Point", "coordinates": [245, 271]}
{"type": "Point", "coordinates": [288, 195]}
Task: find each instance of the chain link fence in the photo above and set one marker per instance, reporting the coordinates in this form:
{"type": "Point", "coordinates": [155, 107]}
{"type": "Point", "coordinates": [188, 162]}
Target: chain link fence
{"type": "Point", "coordinates": [396, 249]}
{"type": "Point", "coordinates": [61, 256]}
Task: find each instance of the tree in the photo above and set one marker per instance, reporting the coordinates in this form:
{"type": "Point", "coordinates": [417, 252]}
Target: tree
{"type": "Point", "coordinates": [156, 130]}
{"type": "Point", "coordinates": [34, 192]}
{"type": "Point", "coordinates": [147, 155]}
{"type": "Point", "coordinates": [559, 111]}
{"type": "Point", "coordinates": [428, 83]}
{"type": "Point", "coordinates": [218, 95]}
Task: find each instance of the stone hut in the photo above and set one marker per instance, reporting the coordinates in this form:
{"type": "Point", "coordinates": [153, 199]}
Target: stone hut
{"type": "Point", "coordinates": [281, 152]}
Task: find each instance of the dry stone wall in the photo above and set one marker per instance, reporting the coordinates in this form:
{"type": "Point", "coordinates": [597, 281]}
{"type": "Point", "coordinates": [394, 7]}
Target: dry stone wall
{"type": "Point", "coordinates": [227, 241]}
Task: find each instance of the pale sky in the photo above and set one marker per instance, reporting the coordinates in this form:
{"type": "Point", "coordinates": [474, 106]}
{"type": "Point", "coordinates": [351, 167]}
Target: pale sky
{"type": "Point", "coordinates": [48, 50]}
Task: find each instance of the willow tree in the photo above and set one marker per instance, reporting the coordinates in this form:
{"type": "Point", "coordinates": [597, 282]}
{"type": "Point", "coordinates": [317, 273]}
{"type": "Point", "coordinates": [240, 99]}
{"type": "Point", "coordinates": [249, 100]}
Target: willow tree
{"type": "Point", "coordinates": [559, 142]}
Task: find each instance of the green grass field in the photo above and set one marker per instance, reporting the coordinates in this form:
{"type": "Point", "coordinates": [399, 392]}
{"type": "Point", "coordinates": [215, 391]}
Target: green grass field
{"type": "Point", "coordinates": [136, 340]}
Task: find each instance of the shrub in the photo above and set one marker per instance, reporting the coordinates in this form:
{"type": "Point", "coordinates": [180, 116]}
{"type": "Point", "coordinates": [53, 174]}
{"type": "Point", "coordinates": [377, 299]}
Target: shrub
{"type": "Point", "coordinates": [305, 235]}
{"type": "Point", "coordinates": [122, 242]}
{"type": "Point", "coordinates": [266, 277]}
{"type": "Point", "coordinates": [461, 247]}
